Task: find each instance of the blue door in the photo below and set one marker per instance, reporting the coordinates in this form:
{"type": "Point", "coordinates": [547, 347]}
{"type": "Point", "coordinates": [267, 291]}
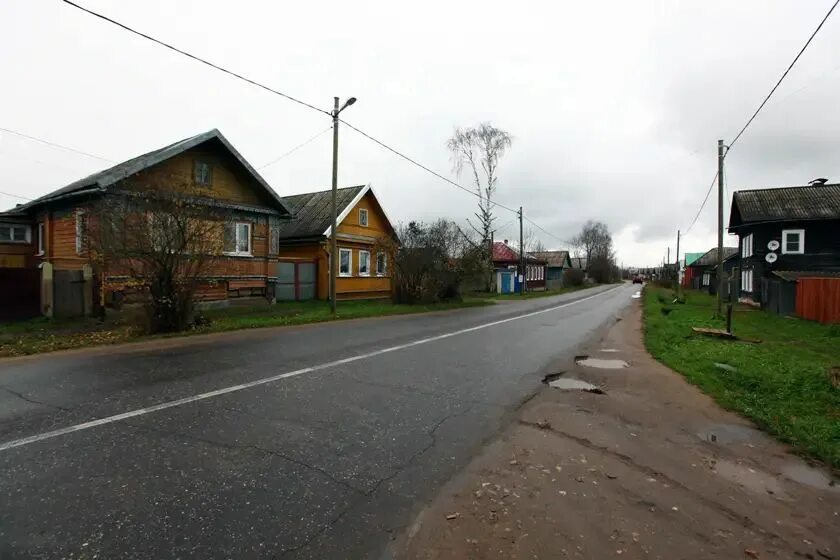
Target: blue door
{"type": "Point", "coordinates": [507, 282]}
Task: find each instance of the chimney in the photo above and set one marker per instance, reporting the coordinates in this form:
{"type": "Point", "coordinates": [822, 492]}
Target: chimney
{"type": "Point", "coordinates": [818, 182]}
{"type": "Point", "coordinates": [505, 241]}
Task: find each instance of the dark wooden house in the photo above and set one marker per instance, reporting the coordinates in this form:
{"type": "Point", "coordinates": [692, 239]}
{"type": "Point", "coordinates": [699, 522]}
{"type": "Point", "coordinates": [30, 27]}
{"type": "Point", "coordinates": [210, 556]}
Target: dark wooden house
{"type": "Point", "coordinates": [703, 271]}
{"type": "Point", "coordinates": [785, 234]}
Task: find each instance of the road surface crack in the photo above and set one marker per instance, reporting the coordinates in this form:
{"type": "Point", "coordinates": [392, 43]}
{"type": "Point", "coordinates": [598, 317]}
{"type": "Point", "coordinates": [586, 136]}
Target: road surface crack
{"type": "Point", "coordinates": [33, 401]}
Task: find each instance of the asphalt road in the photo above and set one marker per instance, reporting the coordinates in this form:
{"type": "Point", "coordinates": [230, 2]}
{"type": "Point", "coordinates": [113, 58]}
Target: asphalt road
{"type": "Point", "coordinates": [328, 461]}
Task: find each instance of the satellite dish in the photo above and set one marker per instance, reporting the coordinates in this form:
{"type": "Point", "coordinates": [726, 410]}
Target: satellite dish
{"type": "Point", "coordinates": [773, 245]}
{"type": "Point", "coordinates": [771, 257]}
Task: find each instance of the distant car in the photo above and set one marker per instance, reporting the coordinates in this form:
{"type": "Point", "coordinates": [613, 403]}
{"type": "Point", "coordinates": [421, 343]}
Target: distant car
{"type": "Point", "coordinates": [638, 280]}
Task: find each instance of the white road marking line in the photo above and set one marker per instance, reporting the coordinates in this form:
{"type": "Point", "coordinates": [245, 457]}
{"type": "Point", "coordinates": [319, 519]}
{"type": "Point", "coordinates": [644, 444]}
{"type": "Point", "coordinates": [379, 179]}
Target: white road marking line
{"type": "Point", "coordinates": [234, 388]}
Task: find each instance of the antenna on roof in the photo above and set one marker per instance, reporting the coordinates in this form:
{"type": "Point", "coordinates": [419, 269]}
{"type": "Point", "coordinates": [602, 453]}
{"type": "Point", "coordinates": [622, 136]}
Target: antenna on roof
{"type": "Point", "coordinates": [818, 182]}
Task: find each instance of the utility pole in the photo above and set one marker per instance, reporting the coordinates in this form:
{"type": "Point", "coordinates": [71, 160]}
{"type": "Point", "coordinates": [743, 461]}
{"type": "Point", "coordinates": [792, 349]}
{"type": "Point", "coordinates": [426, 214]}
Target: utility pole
{"type": "Point", "coordinates": [679, 280]}
{"type": "Point", "coordinates": [521, 255]}
{"type": "Point", "coordinates": [334, 203]}
{"type": "Point", "coordinates": [720, 229]}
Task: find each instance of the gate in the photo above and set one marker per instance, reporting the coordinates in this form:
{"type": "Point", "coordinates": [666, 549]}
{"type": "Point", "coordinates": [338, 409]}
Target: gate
{"type": "Point", "coordinates": [69, 290]}
{"type": "Point", "coordinates": [20, 293]}
{"type": "Point", "coordinates": [296, 281]}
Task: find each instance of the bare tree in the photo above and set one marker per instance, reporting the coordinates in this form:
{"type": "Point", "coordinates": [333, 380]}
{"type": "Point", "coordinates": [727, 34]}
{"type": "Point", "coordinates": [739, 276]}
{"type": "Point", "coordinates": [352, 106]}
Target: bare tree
{"type": "Point", "coordinates": [595, 242]}
{"type": "Point", "coordinates": [162, 240]}
{"type": "Point", "coordinates": [479, 149]}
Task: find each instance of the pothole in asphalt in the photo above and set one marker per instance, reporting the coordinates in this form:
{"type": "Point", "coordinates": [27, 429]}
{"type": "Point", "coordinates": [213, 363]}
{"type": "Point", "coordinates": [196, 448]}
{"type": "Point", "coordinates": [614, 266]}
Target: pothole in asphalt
{"type": "Point", "coordinates": [600, 363]}
{"type": "Point", "coordinates": [570, 384]}
{"type": "Point", "coordinates": [810, 477]}
{"type": "Point", "coordinates": [727, 433]}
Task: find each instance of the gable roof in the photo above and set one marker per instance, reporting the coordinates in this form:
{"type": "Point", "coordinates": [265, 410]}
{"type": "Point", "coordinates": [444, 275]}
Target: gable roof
{"type": "Point", "coordinates": [553, 258]}
{"type": "Point", "coordinates": [102, 180]}
{"type": "Point", "coordinates": [502, 252]}
{"type": "Point", "coordinates": [313, 211]}
{"type": "Point", "coordinates": [710, 257]}
{"type": "Point", "coordinates": [810, 202]}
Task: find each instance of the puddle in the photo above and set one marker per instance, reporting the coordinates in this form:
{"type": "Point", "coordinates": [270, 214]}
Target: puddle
{"type": "Point", "coordinates": [600, 363]}
{"type": "Point", "coordinates": [637, 295]}
{"type": "Point", "coordinates": [728, 433]}
{"type": "Point", "coordinates": [570, 384]}
{"type": "Point", "coordinates": [757, 481]}
{"type": "Point", "coordinates": [610, 350]}
{"type": "Point", "coordinates": [810, 477]}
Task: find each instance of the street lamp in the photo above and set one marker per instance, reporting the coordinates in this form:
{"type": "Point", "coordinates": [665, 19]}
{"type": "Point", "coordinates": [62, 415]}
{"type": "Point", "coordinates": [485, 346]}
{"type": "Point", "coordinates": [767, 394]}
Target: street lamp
{"type": "Point", "coordinates": [333, 241]}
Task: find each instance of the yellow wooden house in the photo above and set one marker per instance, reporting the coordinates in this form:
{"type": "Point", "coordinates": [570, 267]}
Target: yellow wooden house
{"type": "Point", "coordinates": [365, 237]}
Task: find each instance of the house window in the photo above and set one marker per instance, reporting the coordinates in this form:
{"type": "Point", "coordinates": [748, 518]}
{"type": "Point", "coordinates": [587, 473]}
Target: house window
{"type": "Point", "coordinates": [793, 241]}
{"type": "Point", "coordinates": [202, 173]}
{"type": "Point", "coordinates": [345, 262]}
{"type": "Point", "coordinates": [81, 231]}
{"type": "Point", "coordinates": [238, 239]}
{"type": "Point", "coordinates": [364, 263]}
{"type": "Point", "coordinates": [41, 241]}
{"type": "Point", "coordinates": [381, 264]}
{"type": "Point", "coordinates": [747, 280]}
{"type": "Point", "coordinates": [747, 246]}
{"type": "Point", "coordinates": [706, 278]}
{"type": "Point", "coordinates": [15, 233]}
{"type": "Point", "coordinates": [363, 217]}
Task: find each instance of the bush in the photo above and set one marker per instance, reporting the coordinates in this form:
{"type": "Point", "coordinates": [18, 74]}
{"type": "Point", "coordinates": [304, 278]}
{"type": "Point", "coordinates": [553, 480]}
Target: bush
{"type": "Point", "coordinates": [573, 277]}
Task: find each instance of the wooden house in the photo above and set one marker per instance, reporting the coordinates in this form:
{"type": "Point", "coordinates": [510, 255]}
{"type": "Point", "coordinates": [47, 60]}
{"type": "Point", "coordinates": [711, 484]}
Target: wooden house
{"type": "Point", "coordinates": [556, 264]}
{"type": "Point", "coordinates": [790, 230]}
{"type": "Point", "coordinates": [702, 272]}
{"type": "Point", "coordinates": [366, 241]}
{"type": "Point", "coordinates": [48, 236]}
{"type": "Point", "coordinates": [506, 263]}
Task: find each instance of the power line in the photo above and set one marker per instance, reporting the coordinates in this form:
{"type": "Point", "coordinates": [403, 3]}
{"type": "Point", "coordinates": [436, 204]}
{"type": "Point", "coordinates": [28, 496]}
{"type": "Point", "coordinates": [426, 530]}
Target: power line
{"type": "Point", "coordinates": [789, 68]}
{"type": "Point", "coordinates": [194, 57]}
{"type": "Point", "coordinates": [705, 200]}
{"type": "Point", "coordinates": [296, 148]}
{"type": "Point", "coordinates": [15, 195]}
{"type": "Point", "coordinates": [55, 145]}
{"type": "Point", "coordinates": [536, 225]}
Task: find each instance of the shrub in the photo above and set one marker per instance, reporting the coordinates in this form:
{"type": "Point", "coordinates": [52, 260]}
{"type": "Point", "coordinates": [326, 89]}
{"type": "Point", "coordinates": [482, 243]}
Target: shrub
{"type": "Point", "coordinates": [573, 277]}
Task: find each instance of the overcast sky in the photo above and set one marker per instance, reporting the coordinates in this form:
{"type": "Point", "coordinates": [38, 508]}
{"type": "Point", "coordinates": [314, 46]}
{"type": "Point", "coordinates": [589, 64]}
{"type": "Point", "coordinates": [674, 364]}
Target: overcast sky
{"type": "Point", "coordinates": [615, 107]}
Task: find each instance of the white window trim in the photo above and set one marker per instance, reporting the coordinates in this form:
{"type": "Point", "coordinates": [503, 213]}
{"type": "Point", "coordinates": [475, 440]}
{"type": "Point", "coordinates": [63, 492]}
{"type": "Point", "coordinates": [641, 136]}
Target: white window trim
{"type": "Point", "coordinates": [707, 278]}
{"type": "Point", "coordinates": [236, 253]}
{"type": "Point", "coordinates": [11, 226]}
{"type": "Point", "coordinates": [80, 235]}
{"type": "Point", "coordinates": [785, 233]}
{"type": "Point", "coordinates": [41, 245]}
{"type": "Point", "coordinates": [364, 212]}
{"type": "Point", "coordinates": [360, 263]}
{"type": "Point", "coordinates": [747, 246]}
{"type": "Point", "coordinates": [350, 262]}
{"type": "Point", "coordinates": [747, 280]}
{"type": "Point", "coordinates": [384, 271]}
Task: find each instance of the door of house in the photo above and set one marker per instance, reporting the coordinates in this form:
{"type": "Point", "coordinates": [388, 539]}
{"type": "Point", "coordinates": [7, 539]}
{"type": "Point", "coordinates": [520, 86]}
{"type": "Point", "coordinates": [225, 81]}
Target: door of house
{"type": "Point", "coordinates": [296, 281]}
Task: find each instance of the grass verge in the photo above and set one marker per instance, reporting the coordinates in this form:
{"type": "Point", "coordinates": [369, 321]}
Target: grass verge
{"type": "Point", "coordinates": [782, 384]}
{"type": "Point", "coordinates": [48, 335]}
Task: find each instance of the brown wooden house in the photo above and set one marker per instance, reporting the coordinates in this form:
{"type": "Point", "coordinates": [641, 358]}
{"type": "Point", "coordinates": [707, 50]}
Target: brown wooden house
{"type": "Point", "coordinates": [46, 237]}
{"type": "Point", "coordinates": [366, 239]}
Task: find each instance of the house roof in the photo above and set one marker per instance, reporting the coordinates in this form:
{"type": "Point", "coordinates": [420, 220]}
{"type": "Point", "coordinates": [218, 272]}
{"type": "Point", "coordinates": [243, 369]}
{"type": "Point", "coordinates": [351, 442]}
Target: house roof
{"type": "Point", "coordinates": [553, 258]}
{"type": "Point", "coordinates": [313, 215]}
{"type": "Point", "coordinates": [691, 257]}
{"type": "Point", "coordinates": [102, 180]}
{"type": "Point", "coordinates": [710, 257]}
{"type": "Point", "coordinates": [794, 275]}
{"type": "Point", "coordinates": [810, 202]}
{"type": "Point", "coordinates": [502, 252]}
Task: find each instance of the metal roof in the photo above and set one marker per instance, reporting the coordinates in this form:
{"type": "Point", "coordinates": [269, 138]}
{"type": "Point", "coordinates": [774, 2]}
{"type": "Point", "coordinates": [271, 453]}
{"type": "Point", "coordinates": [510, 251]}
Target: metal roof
{"type": "Point", "coordinates": [710, 257]}
{"type": "Point", "coordinates": [313, 216]}
{"type": "Point", "coordinates": [810, 202]}
{"type": "Point", "coordinates": [104, 179]}
{"type": "Point", "coordinates": [553, 258]}
{"type": "Point", "coordinates": [502, 252]}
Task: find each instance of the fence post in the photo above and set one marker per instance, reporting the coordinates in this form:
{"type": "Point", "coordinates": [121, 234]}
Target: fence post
{"type": "Point", "coordinates": [87, 290]}
{"type": "Point", "coordinates": [47, 289]}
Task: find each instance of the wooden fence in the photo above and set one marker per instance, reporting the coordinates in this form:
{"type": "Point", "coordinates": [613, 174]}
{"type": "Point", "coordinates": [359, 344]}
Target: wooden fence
{"type": "Point", "coordinates": [818, 299]}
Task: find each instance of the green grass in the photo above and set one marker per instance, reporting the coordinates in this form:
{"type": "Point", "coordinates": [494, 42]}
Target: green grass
{"type": "Point", "coordinates": [781, 383]}
{"type": "Point", "coordinates": [48, 335]}
{"type": "Point", "coordinates": [529, 295]}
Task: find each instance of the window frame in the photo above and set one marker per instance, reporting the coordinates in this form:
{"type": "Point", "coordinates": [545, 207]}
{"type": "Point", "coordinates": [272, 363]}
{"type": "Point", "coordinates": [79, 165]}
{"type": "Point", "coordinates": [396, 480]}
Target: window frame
{"type": "Point", "coordinates": [384, 270]}
{"type": "Point", "coordinates": [27, 229]}
{"type": "Point", "coordinates": [364, 212]}
{"type": "Point", "coordinates": [747, 280]}
{"type": "Point", "coordinates": [707, 279]}
{"type": "Point", "coordinates": [42, 246]}
{"type": "Point", "coordinates": [747, 246]}
{"type": "Point", "coordinates": [196, 164]}
{"type": "Point", "coordinates": [236, 252]}
{"type": "Point", "coordinates": [349, 273]}
{"type": "Point", "coordinates": [801, 245]}
{"type": "Point", "coordinates": [364, 252]}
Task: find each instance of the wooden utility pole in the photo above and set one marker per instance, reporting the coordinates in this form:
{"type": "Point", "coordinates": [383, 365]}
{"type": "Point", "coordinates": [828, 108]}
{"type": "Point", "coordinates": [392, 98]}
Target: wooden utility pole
{"type": "Point", "coordinates": [720, 229]}
{"type": "Point", "coordinates": [679, 283]}
{"type": "Point", "coordinates": [521, 255]}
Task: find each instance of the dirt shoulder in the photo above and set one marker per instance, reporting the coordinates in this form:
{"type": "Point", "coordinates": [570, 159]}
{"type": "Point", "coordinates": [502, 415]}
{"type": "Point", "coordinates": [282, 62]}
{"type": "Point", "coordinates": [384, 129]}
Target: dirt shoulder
{"type": "Point", "coordinates": [652, 468]}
